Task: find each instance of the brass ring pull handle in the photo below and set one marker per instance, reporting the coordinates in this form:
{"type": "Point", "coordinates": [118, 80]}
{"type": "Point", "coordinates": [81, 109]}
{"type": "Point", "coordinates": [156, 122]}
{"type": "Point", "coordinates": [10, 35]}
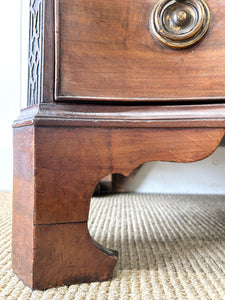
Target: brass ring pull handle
{"type": "Point", "coordinates": [179, 23]}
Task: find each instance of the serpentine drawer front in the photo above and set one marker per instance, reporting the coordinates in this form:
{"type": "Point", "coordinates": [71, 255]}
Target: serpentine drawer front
{"type": "Point", "coordinates": [108, 52]}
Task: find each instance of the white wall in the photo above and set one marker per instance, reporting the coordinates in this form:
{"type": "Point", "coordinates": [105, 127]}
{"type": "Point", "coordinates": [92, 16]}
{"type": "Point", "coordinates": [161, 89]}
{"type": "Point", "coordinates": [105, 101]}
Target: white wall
{"type": "Point", "coordinates": [203, 177]}
{"type": "Point", "coordinates": [207, 176]}
{"type": "Point", "coordinates": [24, 50]}
{"type": "Point", "coordinates": [9, 84]}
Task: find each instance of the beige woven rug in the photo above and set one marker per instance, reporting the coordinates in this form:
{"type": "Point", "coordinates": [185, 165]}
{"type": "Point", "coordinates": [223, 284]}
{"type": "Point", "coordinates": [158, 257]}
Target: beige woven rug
{"type": "Point", "coordinates": [171, 247]}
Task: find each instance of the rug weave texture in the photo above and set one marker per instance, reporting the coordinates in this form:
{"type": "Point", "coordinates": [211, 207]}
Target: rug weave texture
{"type": "Point", "coordinates": [170, 247]}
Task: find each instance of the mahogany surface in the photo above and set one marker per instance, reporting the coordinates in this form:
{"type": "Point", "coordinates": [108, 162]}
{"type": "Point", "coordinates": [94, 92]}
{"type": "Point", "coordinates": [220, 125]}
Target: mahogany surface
{"type": "Point", "coordinates": [23, 203]}
{"type": "Point", "coordinates": [81, 157]}
{"type": "Point", "coordinates": [88, 51]}
{"type": "Point", "coordinates": [56, 169]}
{"type": "Point", "coordinates": [106, 52]}
{"type": "Point", "coordinates": [70, 254]}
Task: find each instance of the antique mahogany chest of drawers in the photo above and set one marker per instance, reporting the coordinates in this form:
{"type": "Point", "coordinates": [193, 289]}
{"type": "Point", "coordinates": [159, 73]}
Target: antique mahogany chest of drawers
{"type": "Point", "coordinates": [112, 84]}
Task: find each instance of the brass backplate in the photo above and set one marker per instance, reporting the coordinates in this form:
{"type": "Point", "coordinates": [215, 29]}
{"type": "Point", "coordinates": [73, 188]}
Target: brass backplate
{"type": "Point", "coordinates": [179, 24]}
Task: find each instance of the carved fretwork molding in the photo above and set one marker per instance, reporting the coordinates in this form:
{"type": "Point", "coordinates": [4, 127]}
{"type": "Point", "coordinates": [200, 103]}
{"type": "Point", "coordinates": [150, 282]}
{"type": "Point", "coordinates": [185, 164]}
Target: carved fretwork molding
{"type": "Point", "coordinates": [35, 63]}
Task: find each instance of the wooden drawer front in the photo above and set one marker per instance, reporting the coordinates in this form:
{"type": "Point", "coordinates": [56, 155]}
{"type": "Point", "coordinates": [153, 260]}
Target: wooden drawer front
{"type": "Point", "coordinates": [105, 51]}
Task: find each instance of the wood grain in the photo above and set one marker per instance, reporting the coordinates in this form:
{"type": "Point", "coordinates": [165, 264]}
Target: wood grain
{"type": "Point", "coordinates": [70, 256]}
{"type": "Point", "coordinates": [105, 51]}
{"type": "Point", "coordinates": [89, 51]}
{"type": "Point", "coordinates": [69, 162]}
{"type": "Point", "coordinates": [48, 52]}
{"type": "Point", "coordinates": [124, 116]}
{"type": "Point", "coordinates": [56, 168]}
{"type": "Point", "coordinates": [45, 256]}
{"type": "Point", "coordinates": [23, 203]}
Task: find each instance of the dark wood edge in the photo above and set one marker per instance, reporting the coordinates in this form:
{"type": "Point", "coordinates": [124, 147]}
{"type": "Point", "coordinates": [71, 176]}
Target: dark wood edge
{"type": "Point", "coordinates": [48, 52]}
{"type": "Point", "coordinates": [211, 115]}
{"type": "Point", "coordinates": [69, 98]}
{"type": "Point", "coordinates": [110, 252]}
{"type": "Point", "coordinates": [57, 49]}
{"type": "Point", "coordinates": [120, 182]}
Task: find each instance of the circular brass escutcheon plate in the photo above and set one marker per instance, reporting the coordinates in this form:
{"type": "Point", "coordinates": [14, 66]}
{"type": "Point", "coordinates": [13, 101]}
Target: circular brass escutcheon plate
{"type": "Point", "coordinates": [179, 23]}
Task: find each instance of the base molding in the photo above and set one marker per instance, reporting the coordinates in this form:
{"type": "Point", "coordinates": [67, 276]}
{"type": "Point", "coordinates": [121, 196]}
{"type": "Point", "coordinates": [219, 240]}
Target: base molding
{"type": "Point", "coordinates": [57, 165]}
{"type": "Point", "coordinates": [125, 116]}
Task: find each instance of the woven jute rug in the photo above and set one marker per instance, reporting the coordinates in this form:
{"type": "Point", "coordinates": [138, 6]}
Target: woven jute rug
{"type": "Point", "coordinates": [170, 246]}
